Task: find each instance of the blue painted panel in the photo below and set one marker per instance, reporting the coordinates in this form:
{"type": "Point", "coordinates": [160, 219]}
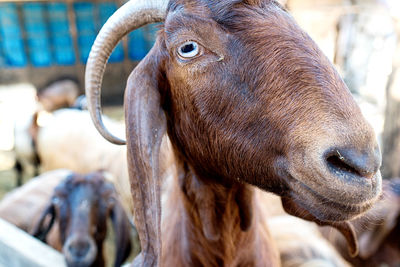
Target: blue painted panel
{"type": "Point", "coordinates": [61, 40]}
{"type": "Point", "coordinates": [14, 54]}
{"type": "Point", "coordinates": [9, 24]}
{"type": "Point", "coordinates": [60, 37]}
{"type": "Point", "coordinates": [86, 26]}
{"type": "Point", "coordinates": [33, 13]}
{"type": "Point", "coordinates": [137, 47]}
{"type": "Point", "coordinates": [59, 26]}
{"type": "Point", "coordinates": [86, 40]}
{"type": "Point", "coordinates": [37, 36]}
{"type": "Point", "coordinates": [84, 53]}
{"type": "Point", "coordinates": [117, 55]}
{"type": "Point", "coordinates": [40, 57]}
{"type": "Point", "coordinates": [10, 31]}
{"type": "Point", "coordinates": [8, 10]}
{"type": "Point", "coordinates": [64, 55]}
{"type": "Point", "coordinates": [35, 27]}
{"type": "Point", "coordinates": [106, 9]}
{"type": "Point", "coordinates": [41, 43]}
{"type": "Point", "coordinates": [84, 10]}
{"type": "Point", "coordinates": [58, 18]}
{"type": "Point", "coordinates": [57, 9]}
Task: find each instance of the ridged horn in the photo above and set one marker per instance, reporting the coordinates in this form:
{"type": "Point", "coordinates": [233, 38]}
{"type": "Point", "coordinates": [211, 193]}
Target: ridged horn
{"type": "Point", "coordinates": [133, 15]}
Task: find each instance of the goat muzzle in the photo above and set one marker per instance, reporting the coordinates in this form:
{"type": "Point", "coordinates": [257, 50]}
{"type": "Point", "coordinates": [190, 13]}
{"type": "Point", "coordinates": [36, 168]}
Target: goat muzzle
{"type": "Point", "coordinates": [80, 251]}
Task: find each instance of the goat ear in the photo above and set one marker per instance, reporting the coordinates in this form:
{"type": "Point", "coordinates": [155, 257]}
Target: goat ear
{"type": "Point", "coordinates": [121, 227]}
{"type": "Point", "coordinates": [42, 228]}
{"type": "Point", "coordinates": [145, 127]}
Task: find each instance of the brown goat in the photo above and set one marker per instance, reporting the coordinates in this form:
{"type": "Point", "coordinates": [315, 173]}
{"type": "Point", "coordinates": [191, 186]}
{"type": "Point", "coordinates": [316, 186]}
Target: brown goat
{"type": "Point", "coordinates": [247, 99]}
{"type": "Point", "coordinates": [79, 208]}
{"type": "Point", "coordinates": [378, 231]}
{"type": "Point", "coordinates": [60, 93]}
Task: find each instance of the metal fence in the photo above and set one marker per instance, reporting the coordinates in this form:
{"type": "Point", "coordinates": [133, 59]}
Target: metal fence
{"type": "Point", "coordinates": [45, 34]}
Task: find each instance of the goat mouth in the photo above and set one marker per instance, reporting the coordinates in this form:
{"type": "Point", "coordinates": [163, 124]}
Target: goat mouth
{"type": "Point", "coordinates": [323, 208]}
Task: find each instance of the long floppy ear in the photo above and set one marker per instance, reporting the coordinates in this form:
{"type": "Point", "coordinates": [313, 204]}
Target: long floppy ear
{"type": "Point", "coordinates": [122, 229]}
{"type": "Point", "coordinates": [145, 127]}
{"type": "Point", "coordinates": [44, 224]}
{"type": "Point", "coordinates": [144, 119]}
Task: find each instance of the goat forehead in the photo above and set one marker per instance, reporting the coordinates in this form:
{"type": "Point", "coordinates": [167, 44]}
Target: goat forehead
{"type": "Point", "coordinates": [264, 36]}
{"type": "Point", "coordinates": [220, 11]}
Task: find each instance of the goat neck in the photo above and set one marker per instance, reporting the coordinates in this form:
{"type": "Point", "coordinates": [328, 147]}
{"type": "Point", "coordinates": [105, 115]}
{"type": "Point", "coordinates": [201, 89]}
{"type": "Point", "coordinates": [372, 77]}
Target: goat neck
{"type": "Point", "coordinates": [215, 224]}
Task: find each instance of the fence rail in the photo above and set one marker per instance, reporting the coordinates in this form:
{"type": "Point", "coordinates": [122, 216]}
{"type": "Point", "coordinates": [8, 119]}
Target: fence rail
{"type": "Point", "coordinates": [18, 249]}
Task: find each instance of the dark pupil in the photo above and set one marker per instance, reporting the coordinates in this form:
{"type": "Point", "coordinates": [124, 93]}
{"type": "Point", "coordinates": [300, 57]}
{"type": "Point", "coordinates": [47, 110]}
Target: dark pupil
{"type": "Point", "coordinates": [187, 48]}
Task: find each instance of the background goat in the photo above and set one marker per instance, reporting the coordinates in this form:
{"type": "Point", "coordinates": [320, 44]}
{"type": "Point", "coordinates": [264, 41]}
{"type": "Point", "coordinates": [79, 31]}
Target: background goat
{"type": "Point", "coordinates": [301, 244]}
{"type": "Point", "coordinates": [79, 207]}
{"type": "Point", "coordinates": [59, 93]}
{"type": "Point", "coordinates": [23, 206]}
{"type": "Point", "coordinates": [62, 92]}
{"type": "Point", "coordinates": [247, 99]}
{"type": "Point", "coordinates": [67, 139]}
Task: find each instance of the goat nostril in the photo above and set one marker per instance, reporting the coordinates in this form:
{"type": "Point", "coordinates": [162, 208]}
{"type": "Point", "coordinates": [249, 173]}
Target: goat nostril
{"type": "Point", "coordinates": [349, 161]}
{"type": "Point", "coordinates": [336, 163]}
{"type": "Point", "coordinates": [79, 249]}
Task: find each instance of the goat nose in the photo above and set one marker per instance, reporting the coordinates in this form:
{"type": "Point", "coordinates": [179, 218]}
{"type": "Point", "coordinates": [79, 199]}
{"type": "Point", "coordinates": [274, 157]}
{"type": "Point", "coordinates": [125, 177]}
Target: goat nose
{"type": "Point", "coordinates": [79, 248]}
{"type": "Point", "coordinates": [347, 162]}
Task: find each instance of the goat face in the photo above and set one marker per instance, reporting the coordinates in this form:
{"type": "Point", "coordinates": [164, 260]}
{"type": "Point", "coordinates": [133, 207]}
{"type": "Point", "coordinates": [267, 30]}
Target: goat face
{"type": "Point", "coordinates": [254, 99]}
{"type": "Point", "coordinates": [81, 205]}
{"type": "Point", "coordinates": [245, 96]}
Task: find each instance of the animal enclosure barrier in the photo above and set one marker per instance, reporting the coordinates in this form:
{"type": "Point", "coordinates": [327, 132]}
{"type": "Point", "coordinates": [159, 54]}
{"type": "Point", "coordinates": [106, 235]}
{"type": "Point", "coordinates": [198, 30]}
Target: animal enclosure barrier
{"type": "Point", "coordinates": [44, 34]}
{"type": "Point", "coordinates": [18, 249]}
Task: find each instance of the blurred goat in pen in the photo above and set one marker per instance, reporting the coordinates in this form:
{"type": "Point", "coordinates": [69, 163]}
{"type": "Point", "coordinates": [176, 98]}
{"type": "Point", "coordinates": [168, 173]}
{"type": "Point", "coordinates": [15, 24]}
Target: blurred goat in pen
{"type": "Point", "coordinates": [301, 244]}
{"type": "Point", "coordinates": [69, 212]}
{"type": "Point", "coordinates": [66, 138]}
{"type": "Point", "coordinates": [246, 99]}
{"type": "Point", "coordinates": [63, 92]}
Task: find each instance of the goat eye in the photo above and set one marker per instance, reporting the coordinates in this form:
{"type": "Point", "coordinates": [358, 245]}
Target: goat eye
{"type": "Point", "coordinates": [189, 49]}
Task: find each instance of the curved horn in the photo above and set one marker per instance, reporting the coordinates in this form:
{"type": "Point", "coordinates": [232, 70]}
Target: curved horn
{"type": "Point", "coordinates": [131, 16]}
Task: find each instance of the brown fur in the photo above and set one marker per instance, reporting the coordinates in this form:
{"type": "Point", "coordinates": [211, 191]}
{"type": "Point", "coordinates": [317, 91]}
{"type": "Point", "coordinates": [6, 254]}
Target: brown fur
{"type": "Point", "coordinates": [259, 105]}
{"type": "Point", "coordinates": [207, 226]}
